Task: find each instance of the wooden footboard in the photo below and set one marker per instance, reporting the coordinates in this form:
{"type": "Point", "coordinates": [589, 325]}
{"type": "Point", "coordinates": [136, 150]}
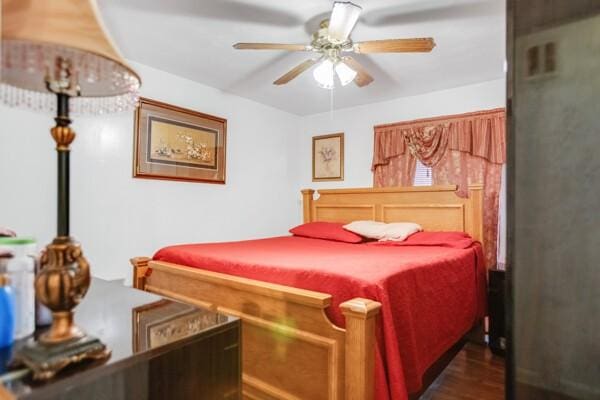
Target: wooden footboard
{"type": "Point", "coordinates": [290, 349]}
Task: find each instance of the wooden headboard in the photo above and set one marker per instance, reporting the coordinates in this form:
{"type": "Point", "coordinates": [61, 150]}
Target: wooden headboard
{"type": "Point", "coordinates": [435, 208]}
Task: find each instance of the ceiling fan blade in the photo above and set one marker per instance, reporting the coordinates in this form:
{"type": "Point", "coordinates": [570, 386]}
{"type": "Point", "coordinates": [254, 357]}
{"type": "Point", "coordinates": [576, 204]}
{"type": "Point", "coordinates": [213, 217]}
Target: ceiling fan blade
{"type": "Point", "coordinates": [272, 46]}
{"type": "Point", "coordinates": [417, 45]}
{"type": "Point", "coordinates": [294, 72]}
{"type": "Point", "coordinates": [344, 17]}
{"type": "Point", "coordinates": [362, 76]}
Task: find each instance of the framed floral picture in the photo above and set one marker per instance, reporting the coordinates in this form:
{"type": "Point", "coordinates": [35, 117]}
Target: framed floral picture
{"type": "Point", "coordinates": [328, 157]}
{"type": "Point", "coordinates": [179, 144]}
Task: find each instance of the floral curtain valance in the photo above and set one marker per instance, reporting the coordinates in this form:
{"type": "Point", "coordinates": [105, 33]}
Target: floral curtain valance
{"type": "Point", "coordinates": [480, 134]}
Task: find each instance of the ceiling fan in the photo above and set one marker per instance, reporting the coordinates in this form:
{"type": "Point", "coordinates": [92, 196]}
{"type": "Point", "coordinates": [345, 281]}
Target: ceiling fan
{"type": "Point", "coordinates": [332, 42]}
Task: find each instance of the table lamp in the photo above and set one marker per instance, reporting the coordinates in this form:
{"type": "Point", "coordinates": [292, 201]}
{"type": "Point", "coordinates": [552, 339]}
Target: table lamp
{"type": "Point", "coordinates": [56, 56]}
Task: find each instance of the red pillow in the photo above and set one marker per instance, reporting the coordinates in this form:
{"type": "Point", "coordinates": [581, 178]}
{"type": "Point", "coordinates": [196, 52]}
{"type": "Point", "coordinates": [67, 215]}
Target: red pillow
{"type": "Point", "coordinates": [326, 230]}
{"type": "Point", "coordinates": [457, 240]}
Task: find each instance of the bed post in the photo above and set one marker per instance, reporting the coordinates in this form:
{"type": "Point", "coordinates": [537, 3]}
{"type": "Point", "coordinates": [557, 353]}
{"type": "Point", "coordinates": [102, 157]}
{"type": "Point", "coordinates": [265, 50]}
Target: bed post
{"type": "Point", "coordinates": [361, 317]}
{"type": "Point", "coordinates": [476, 212]}
{"type": "Point", "coordinates": [307, 202]}
{"type": "Point", "coordinates": [140, 271]}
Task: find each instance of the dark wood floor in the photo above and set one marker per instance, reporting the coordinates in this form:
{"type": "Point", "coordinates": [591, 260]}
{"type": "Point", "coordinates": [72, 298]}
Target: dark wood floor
{"type": "Point", "coordinates": [474, 374]}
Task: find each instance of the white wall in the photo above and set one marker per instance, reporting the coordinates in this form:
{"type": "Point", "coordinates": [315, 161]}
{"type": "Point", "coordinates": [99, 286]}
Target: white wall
{"type": "Point", "coordinates": [115, 216]}
{"type": "Point", "coordinates": [357, 124]}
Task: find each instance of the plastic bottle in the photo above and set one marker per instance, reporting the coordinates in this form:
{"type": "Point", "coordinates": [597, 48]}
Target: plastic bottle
{"type": "Point", "coordinates": [21, 272]}
{"type": "Point", "coordinates": [7, 312]}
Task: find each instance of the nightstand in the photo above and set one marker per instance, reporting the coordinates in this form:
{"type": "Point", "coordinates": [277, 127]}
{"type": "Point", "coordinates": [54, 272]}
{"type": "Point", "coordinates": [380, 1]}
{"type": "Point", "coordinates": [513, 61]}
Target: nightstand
{"type": "Point", "coordinates": [496, 303]}
{"type": "Point", "coordinates": [161, 349]}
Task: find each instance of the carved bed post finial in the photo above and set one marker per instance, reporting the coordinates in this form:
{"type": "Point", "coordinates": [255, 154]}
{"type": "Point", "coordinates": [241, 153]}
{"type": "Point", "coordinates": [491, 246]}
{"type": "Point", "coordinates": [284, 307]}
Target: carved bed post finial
{"type": "Point", "coordinates": [361, 317]}
{"type": "Point", "coordinates": [307, 202]}
{"type": "Point", "coordinates": [140, 271]}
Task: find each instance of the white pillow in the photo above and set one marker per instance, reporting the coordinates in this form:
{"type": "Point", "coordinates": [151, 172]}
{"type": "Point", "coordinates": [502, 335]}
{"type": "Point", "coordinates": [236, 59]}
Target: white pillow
{"type": "Point", "coordinates": [368, 229]}
{"type": "Point", "coordinates": [399, 231]}
{"type": "Point", "coordinates": [396, 231]}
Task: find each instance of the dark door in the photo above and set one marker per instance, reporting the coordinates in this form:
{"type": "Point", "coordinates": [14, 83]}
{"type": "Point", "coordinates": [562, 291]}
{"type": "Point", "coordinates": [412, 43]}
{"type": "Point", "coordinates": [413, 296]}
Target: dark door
{"type": "Point", "coordinates": [554, 199]}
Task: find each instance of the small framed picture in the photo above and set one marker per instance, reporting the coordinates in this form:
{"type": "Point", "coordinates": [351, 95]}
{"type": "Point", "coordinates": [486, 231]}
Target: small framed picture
{"type": "Point", "coordinates": [328, 157]}
{"type": "Point", "coordinates": [178, 144]}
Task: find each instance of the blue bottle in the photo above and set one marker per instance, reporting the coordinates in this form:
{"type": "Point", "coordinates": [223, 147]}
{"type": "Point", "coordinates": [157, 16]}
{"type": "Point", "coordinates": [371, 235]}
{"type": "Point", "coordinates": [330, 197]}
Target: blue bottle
{"type": "Point", "coordinates": [7, 312]}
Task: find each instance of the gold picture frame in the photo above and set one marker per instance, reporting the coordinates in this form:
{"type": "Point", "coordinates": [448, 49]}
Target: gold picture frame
{"type": "Point", "coordinates": [328, 157]}
{"type": "Point", "coordinates": [176, 143]}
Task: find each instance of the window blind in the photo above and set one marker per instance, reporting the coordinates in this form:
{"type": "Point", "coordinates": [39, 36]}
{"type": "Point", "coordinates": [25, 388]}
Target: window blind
{"type": "Point", "coordinates": [422, 175]}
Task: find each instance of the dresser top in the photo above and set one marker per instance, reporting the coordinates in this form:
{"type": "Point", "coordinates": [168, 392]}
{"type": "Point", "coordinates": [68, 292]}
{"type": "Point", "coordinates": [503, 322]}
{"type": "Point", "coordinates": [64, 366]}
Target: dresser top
{"type": "Point", "coordinates": [133, 324]}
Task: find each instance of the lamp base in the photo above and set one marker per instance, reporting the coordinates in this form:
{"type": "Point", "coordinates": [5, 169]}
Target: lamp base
{"type": "Point", "coordinates": [46, 360]}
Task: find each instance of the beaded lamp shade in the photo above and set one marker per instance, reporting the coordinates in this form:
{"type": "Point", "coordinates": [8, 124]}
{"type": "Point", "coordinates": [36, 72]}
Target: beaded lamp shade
{"type": "Point", "coordinates": [37, 33]}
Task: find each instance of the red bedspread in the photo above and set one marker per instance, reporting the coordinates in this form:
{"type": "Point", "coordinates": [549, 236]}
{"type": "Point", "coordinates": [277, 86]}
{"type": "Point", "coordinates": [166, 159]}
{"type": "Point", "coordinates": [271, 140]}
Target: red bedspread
{"type": "Point", "coordinates": [430, 295]}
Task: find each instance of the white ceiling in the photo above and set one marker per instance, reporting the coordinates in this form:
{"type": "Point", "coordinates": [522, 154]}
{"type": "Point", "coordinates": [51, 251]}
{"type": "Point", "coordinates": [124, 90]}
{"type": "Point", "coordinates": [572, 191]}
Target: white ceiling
{"type": "Point", "coordinates": [193, 39]}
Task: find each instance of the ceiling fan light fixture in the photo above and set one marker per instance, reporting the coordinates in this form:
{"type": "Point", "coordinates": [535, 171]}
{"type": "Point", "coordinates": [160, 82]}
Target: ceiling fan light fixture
{"type": "Point", "coordinates": [323, 74]}
{"type": "Point", "coordinates": [343, 19]}
{"type": "Point", "coordinates": [345, 73]}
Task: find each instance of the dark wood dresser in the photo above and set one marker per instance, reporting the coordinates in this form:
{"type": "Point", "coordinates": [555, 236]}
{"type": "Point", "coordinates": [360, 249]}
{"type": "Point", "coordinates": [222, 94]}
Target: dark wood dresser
{"type": "Point", "coordinates": [161, 349]}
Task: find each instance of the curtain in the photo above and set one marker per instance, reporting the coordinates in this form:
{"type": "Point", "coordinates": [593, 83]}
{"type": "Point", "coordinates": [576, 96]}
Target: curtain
{"type": "Point", "coordinates": [392, 164]}
{"type": "Point", "coordinates": [461, 149]}
{"type": "Point", "coordinates": [462, 169]}
{"type": "Point", "coordinates": [398, 171]}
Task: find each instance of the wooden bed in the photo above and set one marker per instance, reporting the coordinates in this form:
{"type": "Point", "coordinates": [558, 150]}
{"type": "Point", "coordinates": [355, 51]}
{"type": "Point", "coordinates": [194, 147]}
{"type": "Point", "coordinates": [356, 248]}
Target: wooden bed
{"type": "Point", "coordinates": [290, 348]}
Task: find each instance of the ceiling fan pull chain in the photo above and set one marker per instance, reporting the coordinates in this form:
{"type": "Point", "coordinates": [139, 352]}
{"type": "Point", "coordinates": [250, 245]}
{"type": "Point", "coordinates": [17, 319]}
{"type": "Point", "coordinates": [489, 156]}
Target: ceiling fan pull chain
{"type": "Point", "coordinates": [331, 103]}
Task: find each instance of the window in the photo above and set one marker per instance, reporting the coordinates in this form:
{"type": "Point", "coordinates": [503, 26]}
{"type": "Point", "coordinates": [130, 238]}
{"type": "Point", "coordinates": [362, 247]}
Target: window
{"type": "Point", "coordinates": [422, 175]}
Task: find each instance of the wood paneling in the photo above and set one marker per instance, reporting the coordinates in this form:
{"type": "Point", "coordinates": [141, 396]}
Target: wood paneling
{"type": "Point", "coordinates": [436, 217]}
{"type": "Point", "coordinates": [344, 213]}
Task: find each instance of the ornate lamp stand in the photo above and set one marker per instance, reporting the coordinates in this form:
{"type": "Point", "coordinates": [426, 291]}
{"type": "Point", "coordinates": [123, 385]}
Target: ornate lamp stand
{"type": "Point", "coordinates": [65, 274]}
{"type": "Point", "coordinates": [47, 62]}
